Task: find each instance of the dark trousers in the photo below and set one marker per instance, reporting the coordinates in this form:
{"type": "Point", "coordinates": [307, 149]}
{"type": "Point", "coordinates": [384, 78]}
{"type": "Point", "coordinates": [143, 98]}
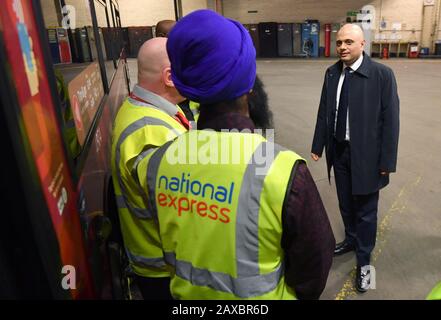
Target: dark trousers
{"type": "Point", "coordinates": [154, 288]}
{"type": "Point", "coordinates": [359, 212]}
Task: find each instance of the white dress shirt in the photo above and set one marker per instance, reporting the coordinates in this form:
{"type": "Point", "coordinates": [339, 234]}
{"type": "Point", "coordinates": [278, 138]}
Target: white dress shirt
{"type": "Point", "coordinates": [353, 68]}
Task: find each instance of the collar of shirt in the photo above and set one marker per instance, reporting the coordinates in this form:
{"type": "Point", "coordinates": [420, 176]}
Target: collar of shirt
{"type": "Point", "coordinates": [353, 67]}
{"type": "Point", "coordinates": [155, 100]}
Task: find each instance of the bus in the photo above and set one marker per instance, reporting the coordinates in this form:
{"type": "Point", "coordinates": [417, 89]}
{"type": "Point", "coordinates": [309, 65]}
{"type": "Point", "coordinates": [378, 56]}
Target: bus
{"type": "Point", "coordinates": [63, 76]}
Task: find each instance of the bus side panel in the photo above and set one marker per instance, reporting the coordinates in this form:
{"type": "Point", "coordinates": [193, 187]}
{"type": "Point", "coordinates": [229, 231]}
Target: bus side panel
{"type": "Point", "coordinates": [93, 184]}
{"type": "Point", "coordinates": [118, 90]}
{"type": "Point", "coordinates": [40, 124]}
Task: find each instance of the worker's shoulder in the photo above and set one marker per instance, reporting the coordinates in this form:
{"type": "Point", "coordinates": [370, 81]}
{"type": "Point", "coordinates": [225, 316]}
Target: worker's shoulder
{"type": "Point", "coordinates": [130, 110]}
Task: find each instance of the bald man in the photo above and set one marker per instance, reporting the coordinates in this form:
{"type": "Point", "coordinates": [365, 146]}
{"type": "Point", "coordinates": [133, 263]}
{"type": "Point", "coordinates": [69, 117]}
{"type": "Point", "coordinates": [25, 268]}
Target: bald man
{"type": "Point", "coordinates": [358, 126]}
{"type": "Point", "coordinates": [147, 119]}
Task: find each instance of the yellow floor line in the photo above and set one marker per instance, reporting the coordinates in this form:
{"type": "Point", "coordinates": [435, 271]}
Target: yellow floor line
{"type": "Point", "coordinates": [399, 205]}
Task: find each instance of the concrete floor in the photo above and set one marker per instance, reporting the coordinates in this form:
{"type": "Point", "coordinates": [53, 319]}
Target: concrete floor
{"type": "Point", "coordinates": [407, 256]}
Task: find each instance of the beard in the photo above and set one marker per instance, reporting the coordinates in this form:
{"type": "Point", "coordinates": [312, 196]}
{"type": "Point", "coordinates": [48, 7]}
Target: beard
{"type": "Point", "coordinates": [258, 107]}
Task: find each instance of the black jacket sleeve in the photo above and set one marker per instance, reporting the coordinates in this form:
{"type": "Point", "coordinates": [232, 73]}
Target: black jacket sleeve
{"type": "Point", "coordinates": [307, 237]}
{"type": "Point", "coordinates": [390, 109]}
{"type": "Point", "coordinates": [320, 133]}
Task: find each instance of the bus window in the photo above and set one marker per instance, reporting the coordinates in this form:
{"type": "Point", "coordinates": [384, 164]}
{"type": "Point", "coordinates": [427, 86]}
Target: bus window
{"type": "Point", "coordinates": [118, 41]}
{"type": "Point", "coordinates": [85, 42]}
{"type": "Point", "coordinates": [103, 22]}
{"type": "Point", "coordinates": [74, 52]}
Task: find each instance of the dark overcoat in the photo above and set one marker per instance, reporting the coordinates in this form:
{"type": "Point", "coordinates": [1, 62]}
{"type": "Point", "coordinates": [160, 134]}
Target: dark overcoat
{"type": "Point", "coordinates": [373, 123]}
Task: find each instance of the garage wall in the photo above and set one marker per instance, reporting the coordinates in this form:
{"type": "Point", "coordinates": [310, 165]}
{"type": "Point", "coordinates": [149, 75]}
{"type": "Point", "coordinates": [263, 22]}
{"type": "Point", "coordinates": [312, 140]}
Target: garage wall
{"type": "Point", "coordinates": [192, 5]}
{"type": "Point", "coordinates": [82, 13]}
{"type": "Point", "coordinates": [49, 13]}
{"type": "Point", "coordinates": [149, 12]}
{"type": "Point", "coordinates": [133, 12]}
{"type": "Point", "coordinates": [406, 12]}
{"type": "Point", "coordinates": [145, 12]}
{"type": "Point", "coordinates": [290, 10]}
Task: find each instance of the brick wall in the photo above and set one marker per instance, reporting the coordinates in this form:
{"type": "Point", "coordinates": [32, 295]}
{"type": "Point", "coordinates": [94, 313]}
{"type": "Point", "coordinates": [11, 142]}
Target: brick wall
{"type": "Point", "coordinates": [192, 5]}
{"type": "Point", "coordinates": [145, 12]}
{"type": "Point", "coordinates": [406, 12]}
{"type": "Point", "coordinates": [82, 13]}
{"type": "Point", "coordinates": [49, 13]}
{"type": "Point", "coordinates": [149, 12]}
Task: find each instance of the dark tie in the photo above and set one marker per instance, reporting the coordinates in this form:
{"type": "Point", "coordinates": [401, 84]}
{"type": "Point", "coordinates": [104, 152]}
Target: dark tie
{"type": "Point", "coordinates": [340, 131]}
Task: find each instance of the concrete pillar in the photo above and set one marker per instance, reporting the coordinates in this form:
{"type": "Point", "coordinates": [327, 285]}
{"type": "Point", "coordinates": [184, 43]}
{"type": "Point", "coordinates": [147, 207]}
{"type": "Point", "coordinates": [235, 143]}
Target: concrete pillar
{"type": "Point", "coordinates": [215, 5]}
{"type": "Point", "coordinates": [428, 21]}
{"type": "Point", "coordinates": [437, 26]}
{"type": "Point", "coordinates": [219, 7]}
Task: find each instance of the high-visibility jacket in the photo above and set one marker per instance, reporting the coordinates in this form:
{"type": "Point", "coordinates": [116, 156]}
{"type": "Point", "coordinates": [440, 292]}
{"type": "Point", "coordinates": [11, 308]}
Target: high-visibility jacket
{"type": "Point", "coordinates": [194, 107]}
{"type": "Point", "coordinates": [139, 128]}
{"type": "Point", "coordinates": [219, 203]}
{"type": "Point", "coordinates": [435, 294]}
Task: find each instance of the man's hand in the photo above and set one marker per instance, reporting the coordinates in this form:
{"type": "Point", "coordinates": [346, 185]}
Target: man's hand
{"type": "Point", "coordinates": [315, 157]}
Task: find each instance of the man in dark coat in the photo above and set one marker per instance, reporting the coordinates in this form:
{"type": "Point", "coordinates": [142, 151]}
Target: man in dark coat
{"type": "Point", "coordinates": [358, 125]}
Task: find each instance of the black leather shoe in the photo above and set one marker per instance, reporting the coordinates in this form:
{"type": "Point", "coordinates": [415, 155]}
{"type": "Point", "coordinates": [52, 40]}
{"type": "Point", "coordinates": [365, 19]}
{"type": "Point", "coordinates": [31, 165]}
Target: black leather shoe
{"type": "Point", "coordinates": [342, 248]}
{"type": "Point", "coordinates": [363, 279]}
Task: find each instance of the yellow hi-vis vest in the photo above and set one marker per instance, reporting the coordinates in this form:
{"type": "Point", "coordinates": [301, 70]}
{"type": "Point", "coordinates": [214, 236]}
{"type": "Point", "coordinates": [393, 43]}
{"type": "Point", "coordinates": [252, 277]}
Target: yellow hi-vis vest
{"type": "Point", "coordinates": [435, 294]}
{"type": "Point", "coordinates": [138, 129]}
{"type": "Point", "coordinates": [194, 107]}
{"type": "Point", "coordinates": [219, 207]}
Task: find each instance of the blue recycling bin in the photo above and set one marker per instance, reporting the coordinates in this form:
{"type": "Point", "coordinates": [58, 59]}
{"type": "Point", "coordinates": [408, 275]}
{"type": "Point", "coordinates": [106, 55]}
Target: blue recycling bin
{"type": "Point", "coordinates": [424, 52]}
{"type": "Point", "coordinates": [311, 38]}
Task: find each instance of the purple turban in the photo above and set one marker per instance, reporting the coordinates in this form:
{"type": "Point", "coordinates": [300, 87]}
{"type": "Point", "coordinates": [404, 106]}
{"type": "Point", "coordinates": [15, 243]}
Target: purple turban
{"type": "Point", "coordinates": [212, 58]}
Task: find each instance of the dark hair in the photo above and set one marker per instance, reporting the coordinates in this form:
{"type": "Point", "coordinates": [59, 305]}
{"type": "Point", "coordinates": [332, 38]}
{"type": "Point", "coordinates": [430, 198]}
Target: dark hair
{"type": "Point", "coordinates": [225, 106]}
{"type": "Point", "coordinates": [163, 27]}
{"type": "Point", "coordinates": [258, 106]}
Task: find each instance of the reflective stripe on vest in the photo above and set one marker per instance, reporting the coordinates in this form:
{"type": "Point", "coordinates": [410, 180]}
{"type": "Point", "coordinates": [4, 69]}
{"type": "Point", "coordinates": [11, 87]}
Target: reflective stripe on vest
{"type": "Point", "coordinates": [152, 173]}
{"type": "Point", "coordinates": [243, 287]}
{"type": "Point", "coordinates": [141, 213]}
{"type": "Point", "coordinates": [247, 244]}
{"type": "Point", "coordinates": [249, 283]}
{"type": "Point", "coordinates": [146, 262]}
{"type": "Point", "coordinates": [138, 159]}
